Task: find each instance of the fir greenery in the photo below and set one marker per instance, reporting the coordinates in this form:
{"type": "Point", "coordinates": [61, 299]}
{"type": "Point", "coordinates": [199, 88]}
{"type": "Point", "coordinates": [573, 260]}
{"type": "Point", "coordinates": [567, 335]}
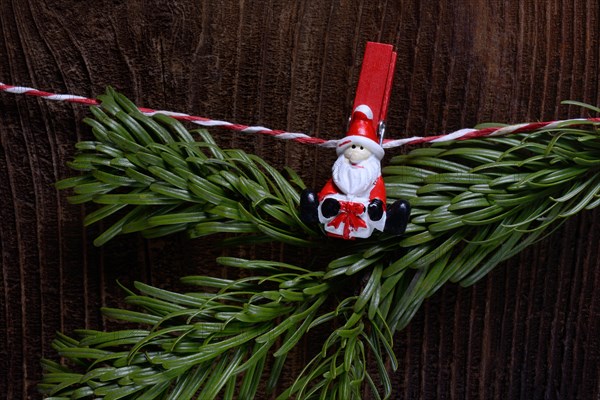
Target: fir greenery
{"type": "Point", "coordinates": [474, 204]}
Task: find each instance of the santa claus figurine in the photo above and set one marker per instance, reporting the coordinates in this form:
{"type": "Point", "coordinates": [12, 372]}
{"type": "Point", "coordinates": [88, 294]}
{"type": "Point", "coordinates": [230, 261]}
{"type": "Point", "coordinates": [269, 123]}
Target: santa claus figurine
{"type": "Point", "coordinates": [352, 204]}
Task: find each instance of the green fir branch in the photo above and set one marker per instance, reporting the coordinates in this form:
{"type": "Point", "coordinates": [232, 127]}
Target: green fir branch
{"type": "Point", "coordinates": [474, 204]}
{"type": "Point", "coordinates": [199, 343]}
{"type": "Point", "coordinates": [161, 180]}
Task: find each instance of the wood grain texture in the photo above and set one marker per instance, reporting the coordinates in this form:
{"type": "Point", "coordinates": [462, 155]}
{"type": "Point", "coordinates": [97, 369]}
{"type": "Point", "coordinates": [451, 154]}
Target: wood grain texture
{"type": "Point", "coordinates": [530, 330]}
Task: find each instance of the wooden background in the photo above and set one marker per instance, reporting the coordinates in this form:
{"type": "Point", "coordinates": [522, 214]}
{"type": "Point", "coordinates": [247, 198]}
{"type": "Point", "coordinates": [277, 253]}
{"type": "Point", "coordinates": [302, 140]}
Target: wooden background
{"type": "Point", "coordinates": [530, 330]}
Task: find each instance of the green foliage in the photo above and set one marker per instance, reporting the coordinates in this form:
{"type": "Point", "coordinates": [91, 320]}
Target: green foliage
{"type": "Point", "coordinates": [474, 204]}
{"type": "Point", "coordinates": [217, 340]}
{"type": "Point", "coordinates": [166, 181]}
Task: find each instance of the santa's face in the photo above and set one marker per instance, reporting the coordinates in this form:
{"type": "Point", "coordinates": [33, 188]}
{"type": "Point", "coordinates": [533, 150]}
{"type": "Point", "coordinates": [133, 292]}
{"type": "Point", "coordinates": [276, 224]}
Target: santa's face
{"type": "Point", "coordinates": [355, 171]}
{"type": "Point", "coordinates": [356, 154]}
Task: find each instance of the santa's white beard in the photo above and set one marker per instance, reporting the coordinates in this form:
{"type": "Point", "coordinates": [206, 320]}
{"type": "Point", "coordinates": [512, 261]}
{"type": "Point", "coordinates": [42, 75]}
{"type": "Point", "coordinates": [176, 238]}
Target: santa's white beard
{"type": "Point", "coordinates": [356, 180]}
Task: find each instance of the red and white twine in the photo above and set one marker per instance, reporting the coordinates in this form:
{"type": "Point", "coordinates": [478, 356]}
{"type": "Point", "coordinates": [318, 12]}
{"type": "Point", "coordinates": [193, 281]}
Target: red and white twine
{"type": "Point", "coordinates": [461, 134]}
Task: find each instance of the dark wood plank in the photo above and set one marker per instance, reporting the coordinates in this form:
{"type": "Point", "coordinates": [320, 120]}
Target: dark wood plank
{"type": "Point", "coordinates": [530, 330]}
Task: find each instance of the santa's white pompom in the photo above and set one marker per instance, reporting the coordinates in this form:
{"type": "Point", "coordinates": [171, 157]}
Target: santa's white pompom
{"type": "Point", "coordinates": [365, 109]}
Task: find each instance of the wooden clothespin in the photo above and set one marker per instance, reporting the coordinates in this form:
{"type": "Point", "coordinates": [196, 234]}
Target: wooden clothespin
{"type": "Point", "coordinates": [375, 82]}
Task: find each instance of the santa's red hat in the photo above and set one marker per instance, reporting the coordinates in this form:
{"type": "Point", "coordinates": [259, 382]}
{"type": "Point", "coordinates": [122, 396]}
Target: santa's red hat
{"type": "Point", "coordinates": [361, 133]}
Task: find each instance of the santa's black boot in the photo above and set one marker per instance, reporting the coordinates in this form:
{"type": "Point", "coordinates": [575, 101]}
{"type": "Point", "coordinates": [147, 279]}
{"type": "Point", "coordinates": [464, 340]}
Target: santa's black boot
{"type": "Point", "coordinates": [309, 203]}
{"type": "Point", "coordinates": [397, 217]}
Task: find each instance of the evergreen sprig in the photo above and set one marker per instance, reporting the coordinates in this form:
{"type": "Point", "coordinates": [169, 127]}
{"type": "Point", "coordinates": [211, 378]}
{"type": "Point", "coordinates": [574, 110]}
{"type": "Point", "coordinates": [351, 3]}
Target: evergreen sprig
{"type": "Point", "coordinates": [474, 204]}
{"type": "Point", "coordinates": [167, 181]}
{"type": "Point", "coordinates": [218, 341]}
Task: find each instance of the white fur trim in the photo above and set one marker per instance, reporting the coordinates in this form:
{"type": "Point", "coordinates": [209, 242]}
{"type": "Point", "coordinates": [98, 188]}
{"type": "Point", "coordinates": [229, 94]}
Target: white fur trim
{"type": "Point", "coordinates": [365, 109]}
{"type": "Point", "coordinates": [370, 145]}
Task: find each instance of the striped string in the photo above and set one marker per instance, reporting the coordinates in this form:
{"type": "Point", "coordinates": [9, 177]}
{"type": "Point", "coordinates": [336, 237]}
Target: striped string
{"type": "Point", "coordinates": [462, 134]}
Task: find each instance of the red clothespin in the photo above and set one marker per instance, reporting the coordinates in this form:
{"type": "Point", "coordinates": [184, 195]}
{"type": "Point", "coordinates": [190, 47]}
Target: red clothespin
{"type": "Point", "coordinates": [375, 82]}
{"type": "Point", "coordinates": [352, 204]}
